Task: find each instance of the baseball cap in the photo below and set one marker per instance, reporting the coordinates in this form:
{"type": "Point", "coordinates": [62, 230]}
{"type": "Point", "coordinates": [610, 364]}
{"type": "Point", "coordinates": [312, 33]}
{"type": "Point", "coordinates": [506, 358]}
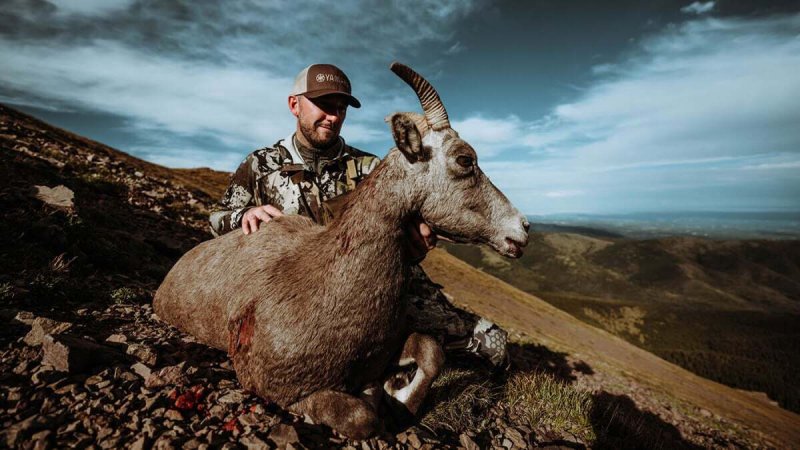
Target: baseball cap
{"type": "Point", "coordinates": [317, 80]}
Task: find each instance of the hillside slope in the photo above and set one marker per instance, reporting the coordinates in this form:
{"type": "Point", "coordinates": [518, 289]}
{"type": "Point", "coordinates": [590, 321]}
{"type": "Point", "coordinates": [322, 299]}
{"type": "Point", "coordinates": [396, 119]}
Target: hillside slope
{"type": "Point", "coordinates": [618, 366]}
{"type": "Point", "coordinates": [28, 135]}
{"type": "Point", "coordinates": [725, 309]}
{"type": "Point", "coordinates": [83, 361]}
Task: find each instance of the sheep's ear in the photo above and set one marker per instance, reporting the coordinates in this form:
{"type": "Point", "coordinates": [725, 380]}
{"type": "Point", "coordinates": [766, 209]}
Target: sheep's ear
{"type": "Point", "coordinates": [407, 137]}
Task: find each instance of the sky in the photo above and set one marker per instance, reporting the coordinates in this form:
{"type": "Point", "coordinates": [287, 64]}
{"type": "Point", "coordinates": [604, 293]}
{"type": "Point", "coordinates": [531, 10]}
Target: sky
{"type": "Point", "coordinates": [572, 106]}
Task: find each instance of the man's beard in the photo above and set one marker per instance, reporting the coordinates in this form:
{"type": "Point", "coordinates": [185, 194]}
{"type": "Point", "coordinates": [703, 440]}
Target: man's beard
{"type": "Point", "coordinates": [313, 137]}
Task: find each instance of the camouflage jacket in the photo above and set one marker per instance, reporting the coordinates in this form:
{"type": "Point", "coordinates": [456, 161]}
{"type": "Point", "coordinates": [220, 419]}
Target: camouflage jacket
{"type": "Point", "coordinates": [279, 176]}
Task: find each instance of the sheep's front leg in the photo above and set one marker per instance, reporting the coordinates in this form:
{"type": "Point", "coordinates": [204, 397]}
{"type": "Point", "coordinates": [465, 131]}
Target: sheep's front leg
{"type": "Point", "coordinates": [372, 394]}
{"type": "Point", "coordinates": [428, 355]}
{"type": "Point", "coordinates": [343, 412]}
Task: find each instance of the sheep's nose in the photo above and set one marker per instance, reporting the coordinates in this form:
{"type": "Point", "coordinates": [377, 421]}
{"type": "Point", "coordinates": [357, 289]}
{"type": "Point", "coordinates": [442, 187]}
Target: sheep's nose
{"type": "Point", "coordinates": [526, 225]}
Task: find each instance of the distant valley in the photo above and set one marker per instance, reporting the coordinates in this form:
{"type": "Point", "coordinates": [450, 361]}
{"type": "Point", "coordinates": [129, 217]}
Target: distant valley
{"type": "Point", "coordinates": [727, 310]}
{"type": "Point", "coordinates": [710, 224]}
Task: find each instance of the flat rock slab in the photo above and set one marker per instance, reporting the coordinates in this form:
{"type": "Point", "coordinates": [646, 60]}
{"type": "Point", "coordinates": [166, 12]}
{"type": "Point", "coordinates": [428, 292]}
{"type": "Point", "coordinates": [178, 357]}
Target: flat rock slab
{"type": "Point", "coordinates": [41, 326]}
{"type": "Point", "coordinates": [171, 375]}
{"type": "Point", "coordinates": [467, 442]}
{"type": "Point", "coordinates": [142, 370]}
{"type": "Point", "coordinates": [143, 353]}
{"type": "Point", "coordinates": [25, 317]}
{"type": "Point", "coordinates": [252, 442]}
{"type": "Point", "coordinates": [60, 197]}
{"type": "Point", "coordinates": [73, 354]}
{"type": "Point", "coordinates": [232, 397]}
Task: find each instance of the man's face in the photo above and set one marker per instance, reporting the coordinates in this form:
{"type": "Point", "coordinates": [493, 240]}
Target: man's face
{"type": "Point", "coordinates": [320, 119]}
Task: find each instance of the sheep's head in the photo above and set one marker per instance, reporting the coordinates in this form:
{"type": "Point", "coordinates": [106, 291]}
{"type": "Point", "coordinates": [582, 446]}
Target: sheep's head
{"type": "Point", "coordinates": [454, 196]}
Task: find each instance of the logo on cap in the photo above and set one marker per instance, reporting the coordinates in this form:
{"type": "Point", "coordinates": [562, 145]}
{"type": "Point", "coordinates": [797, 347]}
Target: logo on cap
{"type": "Point", "coordinates": [332, 78]}
{"type": "Point", "coordinates": [323, 79]}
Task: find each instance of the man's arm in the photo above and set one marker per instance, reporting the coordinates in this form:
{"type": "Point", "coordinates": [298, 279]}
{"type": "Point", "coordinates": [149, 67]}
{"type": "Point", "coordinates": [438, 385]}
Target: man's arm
{"type": "Point", "coordinates": [237, 200]}
{"type": "Point", "coordinates": [238, 205]}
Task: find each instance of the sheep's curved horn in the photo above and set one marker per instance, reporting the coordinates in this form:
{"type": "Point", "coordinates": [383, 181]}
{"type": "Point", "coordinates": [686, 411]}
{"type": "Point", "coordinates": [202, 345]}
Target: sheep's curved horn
{"type": "Point", "coordinates": [432, 105]}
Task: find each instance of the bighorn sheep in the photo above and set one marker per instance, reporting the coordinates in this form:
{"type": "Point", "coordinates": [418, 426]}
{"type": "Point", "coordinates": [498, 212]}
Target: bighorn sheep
{"type": "Point", "coordinates": [313, 316]}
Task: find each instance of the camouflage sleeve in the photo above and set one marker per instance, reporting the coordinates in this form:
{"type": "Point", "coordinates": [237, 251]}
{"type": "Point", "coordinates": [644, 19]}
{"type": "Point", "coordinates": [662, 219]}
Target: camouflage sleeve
{"type": "Point", "coordinates": [369, 165]}
{"type": "Point", "coordinates": [238, 198]}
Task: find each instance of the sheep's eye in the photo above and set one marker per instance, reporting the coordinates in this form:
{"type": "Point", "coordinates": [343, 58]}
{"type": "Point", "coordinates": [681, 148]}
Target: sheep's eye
{"type": "Point", "coordinates": [465, 161]}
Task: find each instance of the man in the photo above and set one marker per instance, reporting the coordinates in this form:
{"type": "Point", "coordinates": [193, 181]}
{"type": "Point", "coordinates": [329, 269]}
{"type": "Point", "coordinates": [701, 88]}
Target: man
{"type": "Point", "coordinates": [310, 171]}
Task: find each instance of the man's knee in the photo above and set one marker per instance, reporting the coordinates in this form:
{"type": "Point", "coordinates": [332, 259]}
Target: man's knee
{"type": "Point", "coordinates": [490, 342]}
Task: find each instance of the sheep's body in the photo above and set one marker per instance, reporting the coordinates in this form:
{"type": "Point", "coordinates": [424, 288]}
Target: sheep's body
{"type": "Point", "coordinates": [220, 269]}
{"type": "Point", "coordinates": [326, 300]}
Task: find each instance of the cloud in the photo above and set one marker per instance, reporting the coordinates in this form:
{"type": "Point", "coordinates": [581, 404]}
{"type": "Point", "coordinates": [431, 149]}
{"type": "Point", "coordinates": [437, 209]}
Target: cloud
{"type": "Point", "coordinates": [561, 194]}
{"type": "Point", "coordinates": [186, 158]}
{"type": "Point", "coordinates": [489, 137]}
{"type": "Point", "coordinates": [92, 8]}
{"type": "Point", "coordinates": [182, 97]}
{"type": "Point", "coordinates": [455, 49]}
{"type": "Point", "coordinates": [32, 102]}
{"type": "Point", "coordinates": [167, 69]}
{"type": "Point", "coordinates": [771, 166]}
{"type": "Point", "coordinates": [697, 110]}
{"type": "Point", "coordinates": [711, 88]}
{"type": "Point", "coordinates": [698, 8]}
{"type": "Point", "coordinates": [706, 108]}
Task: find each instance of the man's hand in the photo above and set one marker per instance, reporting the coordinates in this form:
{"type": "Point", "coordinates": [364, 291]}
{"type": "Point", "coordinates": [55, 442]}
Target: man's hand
{"type": "Point", "coordinates": [421, 239]}
{"type": "Point", "coordinates": [254, 216]}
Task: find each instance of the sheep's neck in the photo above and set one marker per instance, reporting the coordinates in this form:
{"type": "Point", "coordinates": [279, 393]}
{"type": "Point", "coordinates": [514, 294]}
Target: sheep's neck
{"type": "Point", "coordinates": [369, 235]}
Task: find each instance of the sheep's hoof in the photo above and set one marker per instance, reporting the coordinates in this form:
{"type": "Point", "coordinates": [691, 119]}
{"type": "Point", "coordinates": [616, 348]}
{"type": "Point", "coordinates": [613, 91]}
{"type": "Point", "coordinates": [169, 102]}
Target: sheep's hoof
{"type": "Point", "coordinates": [350, 416]}
{"type": "Point", "coordinates": [396, 414]}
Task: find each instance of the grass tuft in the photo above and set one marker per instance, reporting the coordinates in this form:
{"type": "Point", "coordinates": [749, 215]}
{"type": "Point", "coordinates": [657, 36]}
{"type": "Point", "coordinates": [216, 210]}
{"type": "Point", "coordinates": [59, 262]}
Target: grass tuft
{"type": "Point", "coordinates": [127, 295]}
{"type": "Point", "coordinates": [541, 401]}
{"type": "Point", "coordinates": [60, 264]}
{"type": "Point", "coordinates": [6, 291]}
{"type": "Point", "coordinates": [460, 400]}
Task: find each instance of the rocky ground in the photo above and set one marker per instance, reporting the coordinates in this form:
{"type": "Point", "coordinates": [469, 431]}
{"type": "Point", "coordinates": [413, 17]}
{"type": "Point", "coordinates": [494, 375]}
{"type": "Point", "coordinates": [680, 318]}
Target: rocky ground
{"type": "Point", "coordinates": [87, 235]}
{"type": "Point", "coordinates": [145, 386]}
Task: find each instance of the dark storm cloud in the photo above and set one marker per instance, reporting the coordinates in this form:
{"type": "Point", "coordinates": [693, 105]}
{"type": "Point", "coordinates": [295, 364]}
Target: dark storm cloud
{"type": "Point", "coordinates": [263, 34]}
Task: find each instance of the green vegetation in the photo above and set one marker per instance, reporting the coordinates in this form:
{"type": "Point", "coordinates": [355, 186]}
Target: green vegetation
{"type": "Point", "coordinates": [101, 181]}
{"type": "Point", "coordinates": [543, 401]}
{"type": "Point", "coordinates": [756, 351]}
{"type": "Point", "coordinates": [127, 295]}
{"type": "Point", "coordinates": [6, 291]}
{"type": "Point", "coordinates": [462, 399]}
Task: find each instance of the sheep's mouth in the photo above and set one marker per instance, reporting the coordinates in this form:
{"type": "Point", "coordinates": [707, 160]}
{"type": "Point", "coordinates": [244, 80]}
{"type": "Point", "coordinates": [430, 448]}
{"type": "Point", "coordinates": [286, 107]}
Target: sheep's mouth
{"type": "Point", "coordinates": [508, 247]}
{"type": "Point", "coordinates": [513, 249]}
{"type": "Point", "coordinates": [453, 236]}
